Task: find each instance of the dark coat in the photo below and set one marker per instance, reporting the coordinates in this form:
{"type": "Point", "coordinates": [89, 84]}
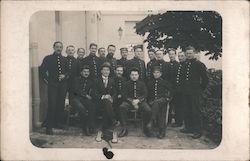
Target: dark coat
{"type": "Point", "coordinates": [150, 66]}
{"type": "Point", "coordinates": [137, 63]}
{"type": "Point", "coordinates": [73, 71]}
{"type": "Point", "coordinates": [164, 68]}
{"type": "Point", "coordinates": [94, 64]}
{"type": "Point", "coordinates": [83, 87]}
{"type": "Point", "coordinates": [100, 90]}
{"type": "Point", "coordinates": [135, 90]}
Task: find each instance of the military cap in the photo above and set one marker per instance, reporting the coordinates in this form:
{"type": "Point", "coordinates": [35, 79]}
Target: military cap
{"type": "Point", "coordinates": [124, 48]}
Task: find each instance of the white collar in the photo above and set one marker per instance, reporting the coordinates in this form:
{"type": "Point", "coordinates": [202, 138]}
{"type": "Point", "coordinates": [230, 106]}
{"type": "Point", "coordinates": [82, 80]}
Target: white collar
{"type": "Point", "coordinates": [105, 78]}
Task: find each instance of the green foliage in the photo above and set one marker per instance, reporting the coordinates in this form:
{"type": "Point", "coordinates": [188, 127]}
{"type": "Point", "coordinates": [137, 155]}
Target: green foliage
{"type": "Point", "coordinates": [173, 29]}
{"type": "Point", "coordinates": [212, 106]}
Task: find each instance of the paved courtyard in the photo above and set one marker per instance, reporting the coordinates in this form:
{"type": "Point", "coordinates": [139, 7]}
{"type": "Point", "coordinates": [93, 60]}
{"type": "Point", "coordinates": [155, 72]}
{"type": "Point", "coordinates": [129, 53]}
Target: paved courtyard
{"type": "Point", "coordinates": [72, 138]}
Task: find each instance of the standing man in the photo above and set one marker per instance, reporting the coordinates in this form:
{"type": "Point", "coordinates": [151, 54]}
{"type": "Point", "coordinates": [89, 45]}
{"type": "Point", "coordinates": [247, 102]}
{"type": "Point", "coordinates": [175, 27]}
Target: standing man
{"type": "Point", "coordinates": [158, 97]}
{"type": "Point", "coordinates": [73, 71]}
{"type": "Point", "coordinates": [102, 54]}
{"type": "Point", "coordinates": [136, 62]}
{"type": "Point", "coordinates": [151, 63]}
{"type": "Point", "coordinates": [110, 58]}
{"type": "Point", "coordinates": [83, 100]}
{"type": "Point", "coordinates": [105, 94]}
{"type": "Point", "coordinates": [123, 61]}
{"type": "Point", "coordinates": [54, 70]}
{"type": "Point", "coordinates": [120, 87]}
{"type": "Point", "coordinates": [135, 95]}
{"type": "Point", "coordinates": [93, 61]}
{"type": "Point", "coordinates": [80, 57]}
{"type": "Point", "coordinates": [196, 81]}
{"type": "Point", "coordinates": [162, 64]}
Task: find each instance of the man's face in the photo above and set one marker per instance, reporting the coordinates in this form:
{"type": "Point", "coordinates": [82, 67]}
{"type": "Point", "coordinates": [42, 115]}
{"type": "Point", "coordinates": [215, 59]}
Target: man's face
{"type": "Point", "coordinates": [138, 53]}
{"type": "Point", "coordinates": [105, 71]}
{"type": "Point", "coordinates": [181, 57]}
{"type": "Point", "coordinates": [124, 54]}
{"type": "Point", "coordinates": [119, 71]}
{"type": "Point", "coordinates": [58, 48]}
{"type": "Point", "coordinates": [102, 53]}
{"type": "Point", "coordinates": [157, 74]}
{"type": "Point", "coordinates": [151, 55]}
{"type": "Point", "coordinates": [85, 73]}
{"type": "Point", "coordinates": [134, 75]}
{"type": "Point", "coordinates": [111, 50]}
{"type": "Point", "coordinates": [70, 51]}
{"type": "Point", "coordinates": [93, 49]}
{"type": "Point", "coordinates": [159, 55]}
{"type": "Point", "coordinates": [171, 55]}
{"type": "Point", "coordinates": [80, 53]}
{"type": "Point", "coordinates": [190, 54]}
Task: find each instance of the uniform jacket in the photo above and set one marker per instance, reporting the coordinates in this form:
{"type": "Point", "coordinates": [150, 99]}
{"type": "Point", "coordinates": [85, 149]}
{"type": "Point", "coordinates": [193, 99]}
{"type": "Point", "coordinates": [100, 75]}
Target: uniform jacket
{"type": "Point", "coordinates": [94, 64]}
{"type": "Point", "coordinates": [137, 63]}
{"type": "Point", "coordinates": [164, 68]}
{"type": "Point", "coordinates": [83, 86]}
{"type": "Point", "coordinates": [120, 85]}
{"type": "Point", "coordinates": [73, 71]}
{"type": "Point", "coordinates": [172, 68]}
{"type": "Point", "coordinates": [113, 64]}
{"type": "Point", "coordinates": [52, 66]}
{"type": "Point", "coordinates": [150, 67]}
{"type": "Point", "coordinates": [179, 77]}
{"type": "Point", "coordinates": [135, 90]}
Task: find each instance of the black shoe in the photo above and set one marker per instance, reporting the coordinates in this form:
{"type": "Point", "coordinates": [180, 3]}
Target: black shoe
{"type": "Point", "coordinates": [147, 132]}
{"type": "Point", "coordinates": [49, 131]}
{"type": "Point", "coordinates": [196, 135]}
{"type": "Point", "coordinates": [161, 134]}
{"type": "Point", "coordinates": [123, 133]}
{"type": "Point", "coordinates": [86, 131]}
{"type": "Point", "coordinates": [186, 131]}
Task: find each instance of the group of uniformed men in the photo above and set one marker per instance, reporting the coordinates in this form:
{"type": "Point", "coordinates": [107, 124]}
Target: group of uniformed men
{"type": "Point", "coordinates": [114, 87]}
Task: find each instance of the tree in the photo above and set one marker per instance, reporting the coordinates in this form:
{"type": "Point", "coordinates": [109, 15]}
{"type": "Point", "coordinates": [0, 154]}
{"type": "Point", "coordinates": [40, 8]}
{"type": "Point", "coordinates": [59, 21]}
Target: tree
{"type": "Point", "coordinates": [173, 29]}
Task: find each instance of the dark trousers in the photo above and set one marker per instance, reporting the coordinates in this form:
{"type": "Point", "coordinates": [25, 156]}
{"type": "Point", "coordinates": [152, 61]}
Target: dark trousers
{"type": "Point", "coordinates": [192, 113]}
{"type": "Point", "coordinates": [143, 107]}
{"type": "Point", "coordinates": [56, 103]}
{"type": "Point", "coordinates": [86, 109]}
{"type": "Point", "coordinates": [106, 108]}
{"type": "Point", "coordinates": [116, 105]}
{"type": "Point", "coordinates": [159, 110]}
{"type": "Point", "coordinates": [177, 104]}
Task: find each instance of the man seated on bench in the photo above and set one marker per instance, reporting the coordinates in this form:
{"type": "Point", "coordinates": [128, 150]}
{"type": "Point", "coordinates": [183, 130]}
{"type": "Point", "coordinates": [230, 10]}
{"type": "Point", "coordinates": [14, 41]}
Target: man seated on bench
{"type": "Point", "coordinates": [158, 97]}
{"type": "Point", "coordinates": [135, 94]}
{"type": "Point", "coordinates": [82, 100]}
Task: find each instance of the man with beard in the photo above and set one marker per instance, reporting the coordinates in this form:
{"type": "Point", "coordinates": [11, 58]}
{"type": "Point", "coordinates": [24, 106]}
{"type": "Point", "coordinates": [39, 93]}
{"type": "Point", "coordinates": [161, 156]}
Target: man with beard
{"type": "Point", "coordinates": [83, 100]}
{"type": "Point", "coordinates": [54, 70]}
{"type": "Point", "coordinates": [110, 58]}
{"type": "Point", "coordinates": [151, 63]}
{"type": "Point", "coordinates": [93, 61]}
{"type": "Point", "coordinates": [102, 55]}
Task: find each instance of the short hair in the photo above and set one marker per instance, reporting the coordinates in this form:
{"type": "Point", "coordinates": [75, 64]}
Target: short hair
{"type": "Point", "coordinates": [134, 70]}
{"type": "Point", "coordinates": [160, 50]}
{"type": "Point", "coordinates": [57, 42]}
{"type": "Point", "coordinates": [137, 47]}
{"type": "Point", "coordinates": [120, 66]}
{"type": "Point", "coordinates": [106, 64]}
{"type": "Point", "coordinates": [111, 45]}
{"type": "Point", "coordinates": [151, 50]}
{"type": "Point", "coordinates": [70, 46]}
{"type": "Point", "coordinates": [157, 68]}
{"type": "Point", "coordinates": [92, 44]}
{"type": "Point", "coordinates": [100, 49]}
{"type": "Point", "coordinates": [190, 48]}
{"type": "Point", "coordinates": [80, 49]}
{"type": "Point", "coordinates": [123, 49]}
{"type": "Point", "coordinates": [85, 67]}
{"type": "Point", "coordinates": [171, 49]}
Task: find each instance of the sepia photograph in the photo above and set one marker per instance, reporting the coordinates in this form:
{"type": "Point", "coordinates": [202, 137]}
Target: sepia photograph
{"type": "Point", "coordinates": [126, 79]}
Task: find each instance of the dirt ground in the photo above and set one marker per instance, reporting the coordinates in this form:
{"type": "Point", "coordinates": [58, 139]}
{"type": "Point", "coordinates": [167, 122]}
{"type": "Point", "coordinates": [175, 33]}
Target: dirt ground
{"type": "Point", "coordinates": [73, 138]}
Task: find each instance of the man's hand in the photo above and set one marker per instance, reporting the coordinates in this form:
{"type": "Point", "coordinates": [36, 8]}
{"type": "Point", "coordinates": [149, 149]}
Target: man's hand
{"type": "Point", "coordinates": [61, 77]}
{"type": "Point", "coordinates": [88, 97]}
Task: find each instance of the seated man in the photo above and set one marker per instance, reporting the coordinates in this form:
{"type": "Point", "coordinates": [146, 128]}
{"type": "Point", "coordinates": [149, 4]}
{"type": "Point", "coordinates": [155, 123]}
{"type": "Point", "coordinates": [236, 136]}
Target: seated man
{"type": "Point", "coordinates": [135, 94]}
{"type": "Point", "coordinates": [104, 94]}
{"type": "Point", "coordinates": [158, 97]}
{"type": "Point", "coordinates": [82, 100]}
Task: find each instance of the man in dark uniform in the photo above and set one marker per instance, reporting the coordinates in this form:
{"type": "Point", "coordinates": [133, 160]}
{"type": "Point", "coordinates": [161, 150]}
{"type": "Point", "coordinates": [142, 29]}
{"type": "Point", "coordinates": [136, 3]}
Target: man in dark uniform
{"type": "Point", "coordinates": [102, 55]}
{"type": "Point", "coordinates": [83, 100]}
{"type": "Point", "coordinates": [123, 61]}
{"type": "Point", "coordinates": [110, 58]}
{"type": "Point", "coordinates": [73, 71]}
{"type": "Point", "coordinates": [158, 97]}
{"type": "Point", "coordinates": [172, 67]}
{"type": "Point", "coordinates": [135, 95]}
{"type": "Point", "coordinates": [54, 70]}
{"type": "Point", "coordinates": [136, 62]}
{"type": "Point", "coordinates": [159, 54]}
{"type": "Point", "coordinates": [80, 57]}
{"type": "Point", "coordinates": [93, 62]}
{"type": "Point", "coordinates": [195, 83]}
{"type": "Point", "coordinates": [105, 93]}
{"type": "Point", "coordinates": [119, 86]}
{"type": "Point", "coordinates": [151, 63]}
